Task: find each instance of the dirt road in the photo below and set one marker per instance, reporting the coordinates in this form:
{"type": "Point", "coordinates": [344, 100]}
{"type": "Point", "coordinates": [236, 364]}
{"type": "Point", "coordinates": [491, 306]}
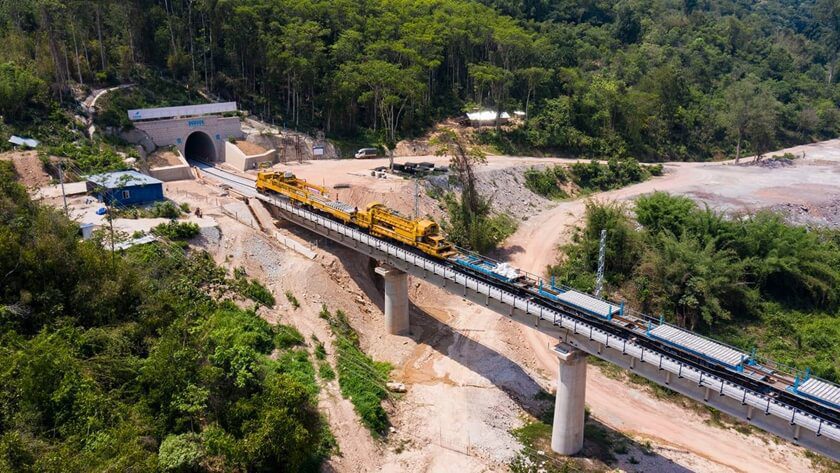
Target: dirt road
{"type": "Point", "coordinates": [723, 186]}
{"type": "Point", "coordinates": [471, 373]}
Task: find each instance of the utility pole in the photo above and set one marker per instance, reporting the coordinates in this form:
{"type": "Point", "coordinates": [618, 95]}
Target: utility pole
{"type": "Point", "coordinates": [602, 253]}
{"type": "Point", "coordinates": [111, 223]}
{"type": "Point", "coordinates": [63, 194]}
{"type": "Point", "coordinates": [416, 198]}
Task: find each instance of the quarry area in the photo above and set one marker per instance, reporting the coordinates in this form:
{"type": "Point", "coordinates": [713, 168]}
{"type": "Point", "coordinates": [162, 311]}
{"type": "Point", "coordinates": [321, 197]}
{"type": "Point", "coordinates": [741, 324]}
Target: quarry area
{"type": "Point", "coordinates": [471, 376]}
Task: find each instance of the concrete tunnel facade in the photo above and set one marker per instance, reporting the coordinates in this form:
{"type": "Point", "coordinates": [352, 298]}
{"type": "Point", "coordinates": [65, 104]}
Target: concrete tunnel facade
{"type": "Point", "coordinates": [201, 136]}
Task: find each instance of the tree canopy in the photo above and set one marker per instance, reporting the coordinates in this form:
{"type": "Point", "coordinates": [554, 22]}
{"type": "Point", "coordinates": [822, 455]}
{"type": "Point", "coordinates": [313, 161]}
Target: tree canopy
{"type": "Point", "coordinates": [142, 362]}
{"type": "Point", "coordinates": [652, 80]}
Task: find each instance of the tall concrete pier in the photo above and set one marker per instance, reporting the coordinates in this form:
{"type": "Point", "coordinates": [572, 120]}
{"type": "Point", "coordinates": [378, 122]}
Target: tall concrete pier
{"type": "Point", "coordinates": [396, 300]}
{"type": "Point", "coordinates": [567, 430]}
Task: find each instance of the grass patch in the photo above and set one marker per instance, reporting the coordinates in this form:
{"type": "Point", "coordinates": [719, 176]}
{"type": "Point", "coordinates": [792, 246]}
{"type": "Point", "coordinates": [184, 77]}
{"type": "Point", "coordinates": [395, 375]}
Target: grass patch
{"type": "Point", "coordinates": [296, 364]}
{"type": "Point", "coordinates": [361, 379]}
{"type": "Point", "coordinates": [292, 300]}
{"type": "Point", "coordinates": [325, 371]}
{"type": "Point", "coordinates": [254, 290]}
{"type": "Point", "coordinates": [286, 336]}
{"type": "Point", "coordinates": [320, 351]}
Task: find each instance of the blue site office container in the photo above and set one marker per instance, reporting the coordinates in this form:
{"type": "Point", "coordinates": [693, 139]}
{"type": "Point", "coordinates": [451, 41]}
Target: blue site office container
{"type": "Point", "coordinates": [125, 188]}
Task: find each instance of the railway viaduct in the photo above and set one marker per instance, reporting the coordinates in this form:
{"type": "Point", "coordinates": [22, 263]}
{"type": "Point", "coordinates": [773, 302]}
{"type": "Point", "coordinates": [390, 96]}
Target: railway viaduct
{"type": "Point", "coordinates": [578, 338]}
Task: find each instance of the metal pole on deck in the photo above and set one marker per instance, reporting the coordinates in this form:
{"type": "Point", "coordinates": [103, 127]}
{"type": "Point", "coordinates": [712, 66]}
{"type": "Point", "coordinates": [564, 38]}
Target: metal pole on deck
{"type": "Point", "coordinates": [416, 198]}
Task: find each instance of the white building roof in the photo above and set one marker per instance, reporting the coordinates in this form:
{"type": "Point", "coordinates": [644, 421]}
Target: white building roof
{"type": "Point", "coordinates": [20, 141]}
{"type": "Point", "coordinates": [134, 242]}
{"type": "Point", "coordinates": [486, 116]}
{"type": "Point", "coordinates": [111, 180]}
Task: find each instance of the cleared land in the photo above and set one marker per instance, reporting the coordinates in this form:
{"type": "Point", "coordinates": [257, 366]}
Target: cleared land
{"type": "Point", "coordinates": [472, 375]}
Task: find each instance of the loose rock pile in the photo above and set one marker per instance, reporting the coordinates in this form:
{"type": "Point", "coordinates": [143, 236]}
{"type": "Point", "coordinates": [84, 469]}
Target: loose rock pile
{"type": "Point", "coordinates": [826, 214]}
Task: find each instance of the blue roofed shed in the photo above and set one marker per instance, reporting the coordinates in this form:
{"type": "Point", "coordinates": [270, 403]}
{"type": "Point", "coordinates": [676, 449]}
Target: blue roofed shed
{"type": "Point", "coordinates": [125, 187]}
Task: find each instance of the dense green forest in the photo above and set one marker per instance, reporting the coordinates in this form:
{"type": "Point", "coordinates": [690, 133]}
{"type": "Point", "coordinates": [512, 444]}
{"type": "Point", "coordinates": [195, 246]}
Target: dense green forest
{"type": "Point", "coordinates": [649, 79]}
{"type": "Point", "coordinates": [754, 281]}
{"type": "Point", "coordinates": [141, 361]}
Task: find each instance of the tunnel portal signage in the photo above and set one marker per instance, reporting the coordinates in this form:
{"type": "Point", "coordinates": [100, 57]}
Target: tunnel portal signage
{"type": "Point", "coordinates": [195, 123]}
{"type": "Point", "coordinates": [183, 111]}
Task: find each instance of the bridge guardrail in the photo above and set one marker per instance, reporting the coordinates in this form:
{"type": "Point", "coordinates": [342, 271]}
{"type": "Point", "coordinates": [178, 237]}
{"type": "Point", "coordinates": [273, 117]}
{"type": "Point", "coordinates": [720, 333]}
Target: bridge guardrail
{"type": "Point", "coordinates": [743, 395]}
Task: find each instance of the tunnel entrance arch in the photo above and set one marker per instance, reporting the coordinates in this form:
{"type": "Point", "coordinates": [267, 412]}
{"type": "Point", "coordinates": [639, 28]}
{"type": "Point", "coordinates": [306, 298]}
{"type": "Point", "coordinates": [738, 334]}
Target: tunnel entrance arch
{"type": "Point", "coordinates": [199, 147]}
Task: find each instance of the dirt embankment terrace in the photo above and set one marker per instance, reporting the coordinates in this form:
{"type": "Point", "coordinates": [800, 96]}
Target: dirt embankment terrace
{"type": "Point", "coordinates": [472, 374]}
{"type": "Point", "coordinates": [28, 167]}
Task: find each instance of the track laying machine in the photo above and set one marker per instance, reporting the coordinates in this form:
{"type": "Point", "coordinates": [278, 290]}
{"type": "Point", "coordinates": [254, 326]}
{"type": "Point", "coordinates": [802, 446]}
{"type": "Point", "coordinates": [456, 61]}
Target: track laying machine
{"type": "Point", "coordinates": [377, 219]}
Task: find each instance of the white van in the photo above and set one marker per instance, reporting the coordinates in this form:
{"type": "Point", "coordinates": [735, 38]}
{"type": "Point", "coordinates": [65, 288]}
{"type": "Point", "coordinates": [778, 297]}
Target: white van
{"type": "Point", "coordinates": [365, 153]}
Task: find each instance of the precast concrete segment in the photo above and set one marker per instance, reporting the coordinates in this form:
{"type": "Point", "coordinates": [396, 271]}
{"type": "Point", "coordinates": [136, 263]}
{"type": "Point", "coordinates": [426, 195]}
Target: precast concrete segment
{"type": "Point", "coordinates": [775, 416]}
{"type": "Point", "coordinates": [569, 401]}
{"type": "Point", "coordinates": [396, 300]}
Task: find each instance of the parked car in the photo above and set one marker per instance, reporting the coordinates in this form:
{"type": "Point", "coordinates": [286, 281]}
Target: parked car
{"type": "Point", "coordinates": [365, 153]}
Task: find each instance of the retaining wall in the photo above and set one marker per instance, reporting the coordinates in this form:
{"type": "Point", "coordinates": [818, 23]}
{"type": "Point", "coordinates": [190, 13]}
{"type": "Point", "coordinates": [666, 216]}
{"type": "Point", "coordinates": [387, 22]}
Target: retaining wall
{"type": "Point", "coordinates": [236, 158]}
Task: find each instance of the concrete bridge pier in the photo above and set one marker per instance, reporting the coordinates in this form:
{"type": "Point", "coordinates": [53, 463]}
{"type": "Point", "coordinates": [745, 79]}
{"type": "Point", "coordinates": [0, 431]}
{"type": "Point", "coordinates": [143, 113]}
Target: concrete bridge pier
{"type": "Point", "coordinates": [396, 300]}
{"type": "Point", "coordinates": [567, 430]}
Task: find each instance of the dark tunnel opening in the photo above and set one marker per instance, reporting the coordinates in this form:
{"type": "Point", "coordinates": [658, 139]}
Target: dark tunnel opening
{"type": "Point", "coordinates": [200, 147]}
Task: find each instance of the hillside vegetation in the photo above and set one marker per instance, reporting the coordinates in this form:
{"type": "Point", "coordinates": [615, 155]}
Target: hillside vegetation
{"type": "Point", "coordinates": [753, 281]}
{"type": "Point", "coordinates": [143, 361]}
{"type": "Point", "coordinates": [649, 79]}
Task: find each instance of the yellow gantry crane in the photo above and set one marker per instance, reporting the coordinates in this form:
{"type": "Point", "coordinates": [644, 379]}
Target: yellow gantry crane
{"type": "Point", "coordinates": [376, 219]}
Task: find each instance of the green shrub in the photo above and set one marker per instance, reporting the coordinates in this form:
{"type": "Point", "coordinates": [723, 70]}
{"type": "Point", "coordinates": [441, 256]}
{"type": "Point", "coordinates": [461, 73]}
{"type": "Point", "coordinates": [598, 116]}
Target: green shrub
{"type": "Point", "coordinates": [255, 291]}
{"type": "Point", "coordinates": [165, 209]}
{"type": "Point", "coordinates": [176, 230]}
{"type": "Point", "coordinates": [181, 452]}
{"type": "Point", "coordinates": [89, 157]}
{"type": "Point", "coordinates": [18, 88]}
{"type": "Point", "coordinates": [480, 231]}
{"type": "Point", "coordinates": [296, 364]}
{"type": "Point", "coordinates": [286, 336]}
{"type": "Point", "coordinates": [655, 169]}
{"type": "Point", "coordinates": [547, 182]}
{"type": "Point", "coordinates": [616, 173]}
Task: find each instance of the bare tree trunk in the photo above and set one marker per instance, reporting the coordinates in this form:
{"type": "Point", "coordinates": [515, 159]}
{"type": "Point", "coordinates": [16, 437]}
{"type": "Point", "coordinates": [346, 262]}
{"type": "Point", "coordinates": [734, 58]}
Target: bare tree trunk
{"type": "Point", "coordinates": [99, 33]}
{"type": "Point", "coordinates": [76, 50]}
{"type": "Point", "coordinates": [527, 101]}
{"type": "Point", "coordinates": [212, 58]}
{"type": "Point", "coordinates": [192, 45]}
{"type": "Point", "coordinates": [60, 78]}
{"type": "Point", "coordinates": [204, 52]}
{"type": "Point", "coordinates": [169, 14]}
{"type": "Point", "coordinates": [738, 148]}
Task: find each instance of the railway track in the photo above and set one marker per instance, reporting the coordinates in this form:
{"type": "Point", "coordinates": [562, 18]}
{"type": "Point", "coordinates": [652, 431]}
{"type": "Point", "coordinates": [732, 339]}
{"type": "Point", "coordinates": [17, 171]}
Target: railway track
{"type": "Point", "coordinates": [719, 361]}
